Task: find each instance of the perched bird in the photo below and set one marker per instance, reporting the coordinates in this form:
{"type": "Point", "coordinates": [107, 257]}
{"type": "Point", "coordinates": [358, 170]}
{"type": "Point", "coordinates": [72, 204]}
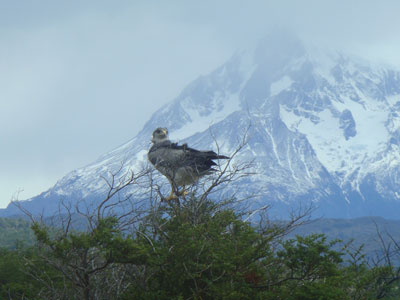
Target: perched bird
{"type": "Point", "coordinates": [180, 164]}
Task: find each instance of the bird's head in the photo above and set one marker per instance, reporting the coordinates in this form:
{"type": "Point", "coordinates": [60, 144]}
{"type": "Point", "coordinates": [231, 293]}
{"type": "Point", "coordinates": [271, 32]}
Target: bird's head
{"type": "Point", "coordinates": [160, 135]}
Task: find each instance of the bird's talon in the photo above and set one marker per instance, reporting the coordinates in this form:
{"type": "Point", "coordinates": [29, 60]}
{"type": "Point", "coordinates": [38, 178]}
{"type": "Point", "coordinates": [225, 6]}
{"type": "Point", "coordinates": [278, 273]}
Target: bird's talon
{"type": "Point", "coordinates": [171, 197]}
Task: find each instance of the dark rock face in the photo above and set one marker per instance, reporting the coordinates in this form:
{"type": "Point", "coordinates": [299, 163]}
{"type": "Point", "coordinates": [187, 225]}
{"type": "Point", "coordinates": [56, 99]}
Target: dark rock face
{"type": "Point", "coordinates": [348, 124]}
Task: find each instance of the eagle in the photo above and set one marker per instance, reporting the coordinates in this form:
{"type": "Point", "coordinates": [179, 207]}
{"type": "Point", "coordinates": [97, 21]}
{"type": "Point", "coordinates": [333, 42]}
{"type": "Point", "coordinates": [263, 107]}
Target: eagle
{"type": "Point", "coordinates": [180, 164]}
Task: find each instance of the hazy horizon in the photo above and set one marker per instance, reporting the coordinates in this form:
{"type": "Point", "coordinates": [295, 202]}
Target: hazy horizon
{"type": "Point", "coordinates": [79, 79]}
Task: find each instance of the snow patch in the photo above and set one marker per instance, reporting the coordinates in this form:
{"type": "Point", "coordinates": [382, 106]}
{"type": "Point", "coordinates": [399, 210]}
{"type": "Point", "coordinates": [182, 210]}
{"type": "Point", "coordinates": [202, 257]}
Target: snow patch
{"type": "Point", "coordinates": [141, 155]}
{"type": "Point", "coordinates": [328, 141]}
{"type": "Point", "coordinates": [278, 86]}
{"type": "Point", "coordinates": [201, 123]}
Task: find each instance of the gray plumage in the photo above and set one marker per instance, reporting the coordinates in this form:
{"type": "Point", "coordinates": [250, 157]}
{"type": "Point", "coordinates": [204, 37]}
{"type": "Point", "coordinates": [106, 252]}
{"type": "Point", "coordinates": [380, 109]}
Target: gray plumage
{"type": "Point", "coordinates": [181, 164]}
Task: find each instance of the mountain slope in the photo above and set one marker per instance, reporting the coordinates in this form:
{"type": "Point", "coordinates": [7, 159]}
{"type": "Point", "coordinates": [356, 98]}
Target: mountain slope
{"type": "Point", "coordinates": [322, 127]}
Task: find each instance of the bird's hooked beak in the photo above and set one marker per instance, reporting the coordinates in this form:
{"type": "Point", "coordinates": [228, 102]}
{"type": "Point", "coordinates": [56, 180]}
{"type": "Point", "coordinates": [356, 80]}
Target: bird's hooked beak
{"type": "Point", "coordinates": [164, 131]}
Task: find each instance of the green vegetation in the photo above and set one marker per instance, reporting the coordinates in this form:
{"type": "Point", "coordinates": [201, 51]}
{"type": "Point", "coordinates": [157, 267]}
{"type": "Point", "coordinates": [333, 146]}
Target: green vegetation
{"type": "Point", "coordinates": [14, 232]}
{"type": "Point", "coordinates": [192, 248]}
{"type": "Point", "coordinates": [184, 252]}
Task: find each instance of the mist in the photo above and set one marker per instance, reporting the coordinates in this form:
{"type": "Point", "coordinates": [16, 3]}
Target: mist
{"type": "Point", "coordinates": [78, 79]}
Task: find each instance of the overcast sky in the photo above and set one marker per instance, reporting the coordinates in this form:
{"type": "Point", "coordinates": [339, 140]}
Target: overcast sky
{"type": "Point", "coordinates": [79, 78]}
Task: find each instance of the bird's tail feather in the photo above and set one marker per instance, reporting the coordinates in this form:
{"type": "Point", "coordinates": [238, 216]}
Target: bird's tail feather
{"type": "Point", "coordinates": [222, 157]}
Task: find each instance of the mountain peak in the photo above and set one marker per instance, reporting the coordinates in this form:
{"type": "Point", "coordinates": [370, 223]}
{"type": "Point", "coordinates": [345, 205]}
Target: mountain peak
{"type": "Point", "coordinates": [323, 127]}
{"type": "Point", "coordinates": [279, 47]}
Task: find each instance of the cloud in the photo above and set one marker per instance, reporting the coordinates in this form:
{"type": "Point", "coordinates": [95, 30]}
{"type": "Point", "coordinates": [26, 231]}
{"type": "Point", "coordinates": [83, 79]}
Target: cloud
{"type": "Point", "coordinates": [79, 78]}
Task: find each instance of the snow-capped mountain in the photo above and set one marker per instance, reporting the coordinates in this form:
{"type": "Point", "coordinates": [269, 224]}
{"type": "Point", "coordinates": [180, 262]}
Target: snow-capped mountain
{"type": "Point", "coordinates": [322, 127]}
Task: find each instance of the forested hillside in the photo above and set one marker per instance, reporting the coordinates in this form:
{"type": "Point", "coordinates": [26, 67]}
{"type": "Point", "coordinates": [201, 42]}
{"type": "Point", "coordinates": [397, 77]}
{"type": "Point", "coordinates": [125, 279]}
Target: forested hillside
{"type": "Point", "coordinates": [194, 247]}
{"type": "Point", "coordinates": [15, 232]}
